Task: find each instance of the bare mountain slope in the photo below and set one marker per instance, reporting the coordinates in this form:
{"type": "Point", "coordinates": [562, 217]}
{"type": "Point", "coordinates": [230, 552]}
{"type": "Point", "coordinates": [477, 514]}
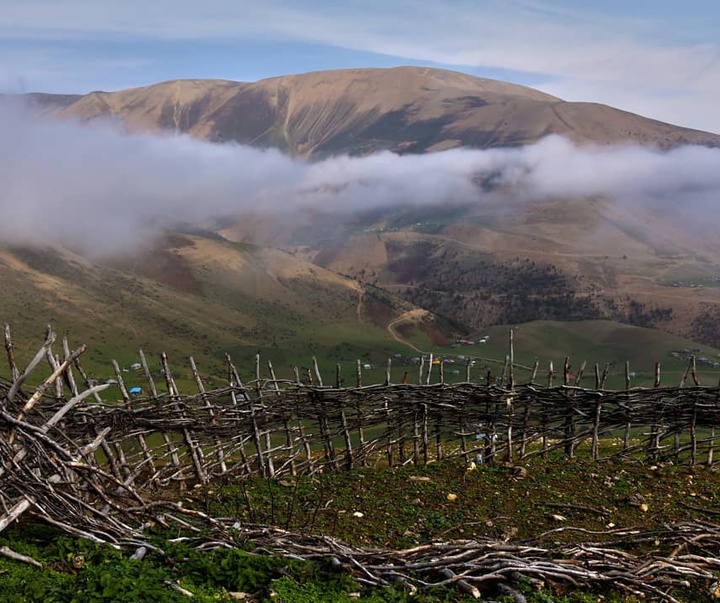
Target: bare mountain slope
{"type": "Point", "coordinates": [195, 295]}
{"type": "Point", "coordinates": [404, 109]}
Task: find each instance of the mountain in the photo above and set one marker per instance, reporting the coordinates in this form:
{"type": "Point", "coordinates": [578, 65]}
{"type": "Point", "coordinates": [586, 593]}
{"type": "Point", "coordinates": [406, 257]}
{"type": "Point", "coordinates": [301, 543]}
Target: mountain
{"type": "Point", "coordinates": [404, 109]}
{"type": "Point", "coordinates": [476, 264]}
{"type": "Point", "coordinates": [202, 295]}
{"type": "Point", "coordinates": [559, 259]}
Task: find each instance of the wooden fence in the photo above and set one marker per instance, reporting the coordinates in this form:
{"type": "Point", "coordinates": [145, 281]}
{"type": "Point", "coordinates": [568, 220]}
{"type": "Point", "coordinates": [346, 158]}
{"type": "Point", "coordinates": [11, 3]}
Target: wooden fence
{"type": "Point", "coordinates": [273, 427]}
{"type": "Point", "coordinates": [104, 467]}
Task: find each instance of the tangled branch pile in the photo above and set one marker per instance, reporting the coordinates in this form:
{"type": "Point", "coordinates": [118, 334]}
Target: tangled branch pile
{"type": "Point", "coordinates": [639, 561]}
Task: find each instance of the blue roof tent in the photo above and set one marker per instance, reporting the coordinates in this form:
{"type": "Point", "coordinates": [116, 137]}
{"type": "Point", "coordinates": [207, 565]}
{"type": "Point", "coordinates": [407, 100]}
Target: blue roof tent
{"type": "Point", "coordinates": [134, 391]}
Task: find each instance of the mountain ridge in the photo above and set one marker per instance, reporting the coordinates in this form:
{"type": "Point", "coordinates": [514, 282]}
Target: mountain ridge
{"type": "Point", "coordinates": [358, 111]}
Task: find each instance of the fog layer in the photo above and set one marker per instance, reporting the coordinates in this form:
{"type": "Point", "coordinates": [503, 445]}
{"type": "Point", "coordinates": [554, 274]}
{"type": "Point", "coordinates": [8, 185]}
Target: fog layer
{"type": "Point", "coordinates": [96, 188]}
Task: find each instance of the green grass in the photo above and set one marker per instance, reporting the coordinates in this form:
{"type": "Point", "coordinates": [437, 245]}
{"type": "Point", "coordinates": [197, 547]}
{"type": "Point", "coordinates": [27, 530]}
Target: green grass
{"type": "Point", "coordinates": [598, 342]}
{"type": "Point", "coordinates": [77, 571]}
{"type": "Point", "coordinates": [398, 510]}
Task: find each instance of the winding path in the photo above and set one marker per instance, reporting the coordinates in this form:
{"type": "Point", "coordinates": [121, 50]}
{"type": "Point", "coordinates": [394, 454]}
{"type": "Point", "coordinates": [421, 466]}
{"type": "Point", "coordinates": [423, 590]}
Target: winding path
{"type": "Point", "coordinates": [409, 316]}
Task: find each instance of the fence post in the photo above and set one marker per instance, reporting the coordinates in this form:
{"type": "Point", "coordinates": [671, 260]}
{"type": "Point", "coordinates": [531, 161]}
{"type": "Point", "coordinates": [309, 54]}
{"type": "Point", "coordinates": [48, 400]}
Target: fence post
{"type": "Point", "coordinates": [10, 349]}
{"type": "Point", "coordinates": [289, 444]}
{"type": "Point", "coordinates": [316, 369]}
{"type": "Point", "coordinates": [628, 412]}
{"type": "Point", "coordinates": [211, 413]}
{"type": "Point", "coordinates": [361, 434]}
{"type": "Point", "coordinates": [511, 359]}
{"type": "Point", "coordinates": [694, 374]}
{"type": "Point", "coordinates": [579, 375]}
{"type": "Point", "coordinates": [596, 425]}
{"type": "Point", "coordinates": [605, 373]}
{"type": "Point", "coordinates": [504, 374]}
{"type": "Point", "coordinates": [235, 382]}
{"type": "Point", "coordinates": [711, 443]}
{"type": "Point", "coordinates": [687, 371]}
{"type": "Point", "coordinates": [196, 453]}
{"type": "Point", "coordinates": [693, 433]}
{"type": "Point", "coordinates": [534, 373]}
{"type": "Point", "coordinates": [627, 375]}
{"type": "Point", "coordinates": [569, 413]}
{"type": "Point", "coordinates": [388, 431]}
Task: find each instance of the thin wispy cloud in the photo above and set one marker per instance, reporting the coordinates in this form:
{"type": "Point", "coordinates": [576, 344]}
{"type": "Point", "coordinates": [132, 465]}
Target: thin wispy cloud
{"type": "Point", "coordinates": [102, 191]}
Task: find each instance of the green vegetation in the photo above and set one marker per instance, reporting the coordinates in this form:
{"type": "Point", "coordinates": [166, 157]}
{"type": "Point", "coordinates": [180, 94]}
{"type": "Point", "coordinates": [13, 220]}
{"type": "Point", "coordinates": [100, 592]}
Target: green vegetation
{"type": "Point", "coordinates": [406, 506]}
{"type": "Point", "coordinates": [79, 571]}
{"type": "Point", "coordinates": [596, 341]}
{"type": "Point", "coordinates": [401, 507]}
{"type": "Point", "coordinates": [601, 342]}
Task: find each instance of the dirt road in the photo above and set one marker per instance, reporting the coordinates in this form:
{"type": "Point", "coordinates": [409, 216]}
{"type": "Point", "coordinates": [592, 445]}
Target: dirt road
{"type": "Point", "coordinates": [415, 315]}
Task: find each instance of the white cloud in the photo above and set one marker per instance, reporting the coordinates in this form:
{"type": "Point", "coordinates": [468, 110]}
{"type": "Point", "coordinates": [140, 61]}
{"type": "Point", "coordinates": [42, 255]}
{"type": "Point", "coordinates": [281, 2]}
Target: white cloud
{"type": "Point", "coordinates": [97, 189]}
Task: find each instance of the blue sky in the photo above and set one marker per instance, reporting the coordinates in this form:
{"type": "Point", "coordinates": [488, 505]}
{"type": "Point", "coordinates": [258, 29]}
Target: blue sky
{"type": "Point", "coordinates": [659, 58]}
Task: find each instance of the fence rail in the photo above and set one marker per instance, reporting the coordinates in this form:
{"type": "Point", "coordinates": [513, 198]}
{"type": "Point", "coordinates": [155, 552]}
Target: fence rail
{"type": "Point", "coordinates": [89, 463]}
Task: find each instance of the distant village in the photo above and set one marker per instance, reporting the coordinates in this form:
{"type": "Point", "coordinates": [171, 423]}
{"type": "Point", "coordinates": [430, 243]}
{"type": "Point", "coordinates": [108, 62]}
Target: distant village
{"type": "Point", "coordinates": [461, 359]}
{"type": "Point", "coordinates": [686, 354]}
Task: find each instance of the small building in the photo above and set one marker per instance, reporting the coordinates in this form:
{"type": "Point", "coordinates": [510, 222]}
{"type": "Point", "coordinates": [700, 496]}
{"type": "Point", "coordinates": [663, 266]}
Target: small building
{"type": "Point", "coordinates": [135, 391]}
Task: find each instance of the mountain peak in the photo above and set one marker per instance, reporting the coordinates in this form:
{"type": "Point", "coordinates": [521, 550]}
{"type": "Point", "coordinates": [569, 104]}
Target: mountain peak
{"type": "Point", "coordinates": [358, 111]}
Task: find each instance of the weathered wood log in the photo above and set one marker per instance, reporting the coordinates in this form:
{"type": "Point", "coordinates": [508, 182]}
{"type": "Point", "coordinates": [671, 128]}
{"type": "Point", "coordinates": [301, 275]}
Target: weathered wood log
{"type": "Point", "coordinates": [10, 554]}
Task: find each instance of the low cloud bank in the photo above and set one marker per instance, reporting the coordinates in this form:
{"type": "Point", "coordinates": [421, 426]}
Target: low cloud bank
{"type": "Point", "coordinates": [101, 190]}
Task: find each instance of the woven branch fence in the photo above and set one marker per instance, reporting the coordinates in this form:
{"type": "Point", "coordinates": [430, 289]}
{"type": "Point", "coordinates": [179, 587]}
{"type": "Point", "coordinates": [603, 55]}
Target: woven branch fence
{"type": "Point", "coordinates": [89, 464]}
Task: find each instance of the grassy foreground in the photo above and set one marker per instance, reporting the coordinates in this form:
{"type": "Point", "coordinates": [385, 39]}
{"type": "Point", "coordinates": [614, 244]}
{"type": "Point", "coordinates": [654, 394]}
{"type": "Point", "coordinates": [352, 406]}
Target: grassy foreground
{"type": "Point", "coordinates": [548, 501]}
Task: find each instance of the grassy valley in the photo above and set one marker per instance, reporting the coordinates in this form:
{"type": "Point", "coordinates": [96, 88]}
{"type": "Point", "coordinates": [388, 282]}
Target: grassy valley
{"type": "Point", "coordinates": [193, 296]}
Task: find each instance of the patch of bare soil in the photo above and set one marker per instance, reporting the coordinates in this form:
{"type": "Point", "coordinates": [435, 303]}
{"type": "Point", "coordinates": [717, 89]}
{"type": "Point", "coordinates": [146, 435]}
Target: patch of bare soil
{"type": "Point", "coordinates": [169, 268]}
